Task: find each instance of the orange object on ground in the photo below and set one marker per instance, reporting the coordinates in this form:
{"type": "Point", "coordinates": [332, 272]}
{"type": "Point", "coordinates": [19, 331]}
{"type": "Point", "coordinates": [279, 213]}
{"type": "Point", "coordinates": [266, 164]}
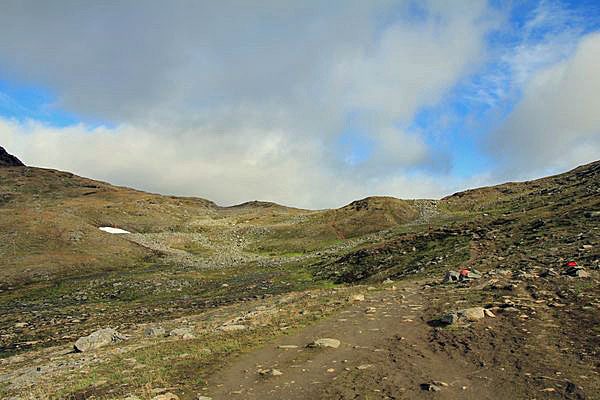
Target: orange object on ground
{"type": "Point", "coordinates": [464, 272]}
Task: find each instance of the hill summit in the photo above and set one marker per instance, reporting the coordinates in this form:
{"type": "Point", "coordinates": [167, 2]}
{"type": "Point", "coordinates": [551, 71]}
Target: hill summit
{"type": "Point", "coordinates": [8, 160]}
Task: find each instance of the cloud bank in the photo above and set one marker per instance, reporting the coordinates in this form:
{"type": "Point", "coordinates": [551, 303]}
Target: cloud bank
{"type": "Point", "coordinates": [556, 124]}
{"type": "Point", "coordinates": [309, 104]}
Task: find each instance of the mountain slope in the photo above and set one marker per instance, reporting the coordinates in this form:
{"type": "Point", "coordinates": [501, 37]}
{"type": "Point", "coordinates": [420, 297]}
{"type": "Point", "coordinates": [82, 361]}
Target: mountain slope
{"type": "Point", "coordinates": [541, 222]}
{"type": "Point", "coordinates": [8, 160]}
{"type": "Point", "coordinates": [236, 277]}
{"type": "Point", "coordinates": [49, 223]}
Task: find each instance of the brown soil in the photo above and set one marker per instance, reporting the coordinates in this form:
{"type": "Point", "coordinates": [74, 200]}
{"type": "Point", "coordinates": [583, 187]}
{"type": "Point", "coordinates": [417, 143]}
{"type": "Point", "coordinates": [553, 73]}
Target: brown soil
{"type": "Point", "coordinates": [402, 348]}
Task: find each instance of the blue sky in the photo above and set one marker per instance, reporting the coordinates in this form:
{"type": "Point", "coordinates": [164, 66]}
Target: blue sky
{"type": "Point", "coordinates": [303, 103]}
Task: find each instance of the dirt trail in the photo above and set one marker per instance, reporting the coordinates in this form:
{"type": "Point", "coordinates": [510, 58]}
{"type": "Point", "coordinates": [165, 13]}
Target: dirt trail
{"type": "Point", "coordinates": [360, 367]}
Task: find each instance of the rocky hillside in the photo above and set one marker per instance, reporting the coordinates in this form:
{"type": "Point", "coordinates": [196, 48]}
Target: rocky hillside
{"type": "Point", "coordinates": [8, 160]}
{"type": "Point", "coordinates": [542, 222]}
{"type": "Point", "coordinates": [166, 311]}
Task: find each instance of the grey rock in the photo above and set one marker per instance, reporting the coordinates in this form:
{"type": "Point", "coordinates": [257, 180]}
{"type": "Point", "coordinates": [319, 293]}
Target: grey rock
{"type": "Point", "coordinates": [270, 372]}
{"type": "Point", "coordinates": [325, 342]}
{"type": "Point", "coordinates": [183, 333]}
{"type": "Point", "coordinates": [166, 396]}
{"type": "Point", "coordinates": [472, 314]}
{"type": "Point", "coordinates": [97, 339]}
{"type": "Point", "coordinates": [154, 331]}
{"type": "Point", "coordinates": [449, 318]}
{"type": "Point", "coordinates": [430, 387]}
{"type": "Point", "coordinates": [466, 315]}
{"type": "Point", "coordinates": [232, 328]}
{"type": "Point", "coordinates": [578, 272]}
{"type": "Point", "coordinates": [582, 274]}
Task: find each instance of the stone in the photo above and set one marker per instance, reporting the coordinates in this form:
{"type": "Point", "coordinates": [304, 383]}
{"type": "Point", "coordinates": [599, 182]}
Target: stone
{"type": "Point", "coordinates": [200, 397]}
{"type": "Point", "coordinates": [154, 331]}
{"type": "Point", "coordinates": [325, 343]}
{"type": "Point", "coordinates": [371, 310]}
{"type": "Point", "coordinates": [183, 333]}
{"type": "Point", "coordinates": [449, 318]}
{"type": "Point", "coordinates": [466, 315]}
{"type": "Point", "coordinates": [166, 396]}
{"type": "Point", "coordinates": [582, 274]}
{"type": "Point", "coordinates": [489, 313]}
{"type": "Point", "coordinates": [365, 366]}
{"type": "Point", "coordinates": [97, 339]}
{"type": "Point", "coordinates": [357, 297]}
{"type": "Point", "coordinates": [287, 346]}
{"type": "Point", "coordinates": [21, 324]}
{"type": "Point", "coordinates": [270, 372]}
{"type": "Point", "coordinates": [472, 314]}
{"type": "Point", "coordinates": [578, 272]}
{"type": "Point", "coordinates": [232, 328]}
{"type": "Point", "coordinates": [430, 387]}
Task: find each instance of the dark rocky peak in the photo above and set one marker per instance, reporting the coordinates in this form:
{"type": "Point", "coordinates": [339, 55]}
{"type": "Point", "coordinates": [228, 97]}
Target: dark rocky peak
{"type": "Point", "coordinates": [8, 160]}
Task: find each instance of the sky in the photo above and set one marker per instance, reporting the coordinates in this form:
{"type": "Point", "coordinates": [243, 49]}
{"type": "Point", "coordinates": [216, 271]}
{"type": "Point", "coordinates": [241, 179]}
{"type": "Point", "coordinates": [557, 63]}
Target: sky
{"type": "Point", "coordinates": [306, 103]}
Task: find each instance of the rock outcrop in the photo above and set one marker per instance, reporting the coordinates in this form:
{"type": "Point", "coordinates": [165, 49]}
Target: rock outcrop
{"type": "Point", "coordinates": [97, 339]}
{"type": "Point", "coordinates": [8, 160]}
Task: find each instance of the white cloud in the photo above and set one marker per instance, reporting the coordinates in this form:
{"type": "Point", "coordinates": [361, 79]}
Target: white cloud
{"type": "Point", "coordinates": [556, 124]}
{"type": "Point", "coordinates": [239, 100]}
{"type": "Point", "coordinates": [264, 170]}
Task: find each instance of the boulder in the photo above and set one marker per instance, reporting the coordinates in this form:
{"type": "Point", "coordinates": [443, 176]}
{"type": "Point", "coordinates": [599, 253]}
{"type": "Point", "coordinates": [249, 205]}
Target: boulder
{"type": "Point", "coordinates": [489, 313]}
{"type": "Point", "coordinates": [97, 339]}
{"type": "Point", "coordinates": [430, 387]}
{"type": "Point", "coordinates": [154, 331]}
{"type": "Point", "coordinates": [182, 333]}
{"type": "Point", "coordinates": [580, 273]}
{"type": "Point", "coordinates": [325, 342]}
{"type": "Point", "coordinates": [449, 318]}
{"type": "Point", "coordinates": [472, 314]}
{"type": "Point", "coordinates": [270, 372]}
{"type": "Point", "coordinates": [466, 315]}
{"type": "Point", "coordinates": [357, 297]}
{"type": "Point", "coordinates": [166, 396]}
{"type": "Point", "coordinates": [232, 328]}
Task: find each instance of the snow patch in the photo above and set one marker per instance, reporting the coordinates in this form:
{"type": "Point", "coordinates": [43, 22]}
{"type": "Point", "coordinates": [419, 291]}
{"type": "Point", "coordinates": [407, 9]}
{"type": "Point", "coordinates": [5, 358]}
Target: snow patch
{"type": "Point", "coordinates": [112, 230]}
